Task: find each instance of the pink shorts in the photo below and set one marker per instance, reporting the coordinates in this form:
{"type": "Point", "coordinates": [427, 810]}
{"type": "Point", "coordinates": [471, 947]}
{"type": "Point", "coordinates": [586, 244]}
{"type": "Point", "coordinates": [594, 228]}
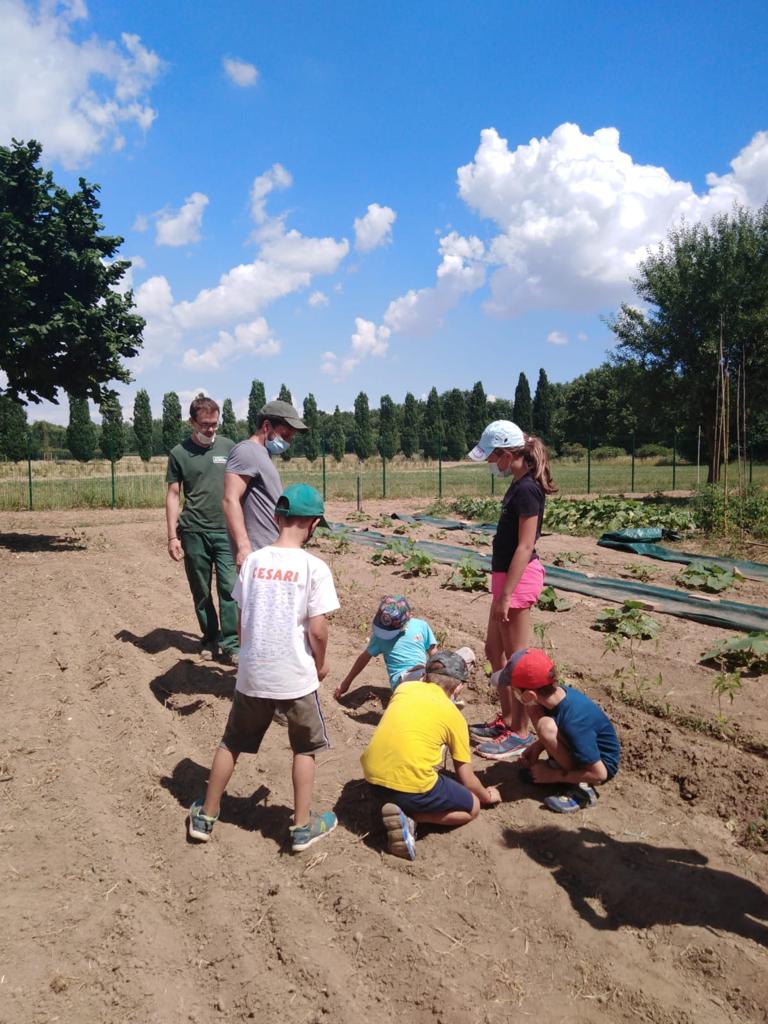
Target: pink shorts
{"type": "Point", "coordinates": [527, 591]}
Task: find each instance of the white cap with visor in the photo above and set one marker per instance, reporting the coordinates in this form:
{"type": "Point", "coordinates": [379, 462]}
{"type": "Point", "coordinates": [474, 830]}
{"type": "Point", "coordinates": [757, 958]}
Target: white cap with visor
{"type": "Point", "coordinates": [499, 434]}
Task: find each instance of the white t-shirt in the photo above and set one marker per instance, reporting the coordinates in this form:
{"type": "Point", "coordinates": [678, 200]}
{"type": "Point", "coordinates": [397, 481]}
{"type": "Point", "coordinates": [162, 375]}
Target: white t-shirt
{"type": "Point", "coordinates": [278, 590]}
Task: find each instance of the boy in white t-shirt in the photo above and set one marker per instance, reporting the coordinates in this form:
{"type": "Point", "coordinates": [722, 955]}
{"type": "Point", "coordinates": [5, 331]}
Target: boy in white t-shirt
{"type": "Point", "coordinates": [283, 594]}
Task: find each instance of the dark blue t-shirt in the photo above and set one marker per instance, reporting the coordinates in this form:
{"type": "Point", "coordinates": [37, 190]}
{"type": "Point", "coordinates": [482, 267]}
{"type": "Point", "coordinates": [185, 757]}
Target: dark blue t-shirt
{"type": "Point", "coordinates": [587, 730]}
{"type": "Point", "coordinates": [523, 499]}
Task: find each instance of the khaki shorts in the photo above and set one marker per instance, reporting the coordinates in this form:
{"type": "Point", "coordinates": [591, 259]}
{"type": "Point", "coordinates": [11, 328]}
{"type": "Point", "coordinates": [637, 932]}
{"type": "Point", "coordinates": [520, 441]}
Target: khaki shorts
{"type": "Point", "coordinates": [250, 717]}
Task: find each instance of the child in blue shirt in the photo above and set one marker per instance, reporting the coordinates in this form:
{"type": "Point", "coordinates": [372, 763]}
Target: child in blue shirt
{"type": "Point", "coordinates": [577, 735]}
{"type": "Point", "coordinates": [404, 642]}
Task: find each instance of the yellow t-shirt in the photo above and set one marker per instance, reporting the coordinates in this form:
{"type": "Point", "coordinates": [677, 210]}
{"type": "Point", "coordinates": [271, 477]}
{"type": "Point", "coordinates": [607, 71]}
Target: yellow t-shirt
{"type": "Point", "coordinates": [405, 747]}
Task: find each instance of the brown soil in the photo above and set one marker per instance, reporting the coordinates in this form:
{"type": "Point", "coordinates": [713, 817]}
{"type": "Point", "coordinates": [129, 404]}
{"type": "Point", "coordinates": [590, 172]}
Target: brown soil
{"type": "Point", "coordinates": [650, 907]}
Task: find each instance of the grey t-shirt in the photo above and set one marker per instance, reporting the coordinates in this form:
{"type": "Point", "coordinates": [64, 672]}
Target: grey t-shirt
{"type": "Point", "coordinates": [252, 460]}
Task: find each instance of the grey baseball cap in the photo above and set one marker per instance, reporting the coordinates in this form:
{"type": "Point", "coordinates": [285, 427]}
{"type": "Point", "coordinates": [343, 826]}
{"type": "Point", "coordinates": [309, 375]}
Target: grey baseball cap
{"type": "Point", "coordinates": [448, 663]}
{"type": "Point", "coordinates": [286, 412]}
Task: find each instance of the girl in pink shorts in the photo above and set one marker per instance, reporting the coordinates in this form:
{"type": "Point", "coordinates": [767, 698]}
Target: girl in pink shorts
{"type": "Point", "coordinates": [517, 575]}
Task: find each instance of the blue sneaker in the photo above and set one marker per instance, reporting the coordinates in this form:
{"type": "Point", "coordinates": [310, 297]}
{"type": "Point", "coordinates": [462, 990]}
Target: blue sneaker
{"type": "Point", "coordinates": [401, 832]}
{"type": "Point", "coordinates": [320, 825]}
{"type": "Point", "coordinates": [200, 824]}
{"type": "Point", "coordinates": [505, 747]}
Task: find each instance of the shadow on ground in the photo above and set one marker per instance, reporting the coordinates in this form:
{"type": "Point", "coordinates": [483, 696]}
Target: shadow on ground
{"type": "Point", "coordinates": [253, 813]}
{"type": "Point", "coordinates": [161, 639]}
{"type": "Point", "coordinates": [186, 679]}
{"type": "Point", "coordinates": [613, 884]}
{"type": "Point", "coordinates": [41, 542]}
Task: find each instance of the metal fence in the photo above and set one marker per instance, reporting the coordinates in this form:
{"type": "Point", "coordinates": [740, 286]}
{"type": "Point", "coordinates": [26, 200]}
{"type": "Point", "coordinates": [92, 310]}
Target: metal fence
{"type": "Point", "coordinates": [131, 483]}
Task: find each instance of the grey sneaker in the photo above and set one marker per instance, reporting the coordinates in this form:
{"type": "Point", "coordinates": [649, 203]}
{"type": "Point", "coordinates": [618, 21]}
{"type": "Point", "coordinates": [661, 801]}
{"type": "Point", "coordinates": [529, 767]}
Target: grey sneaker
{"type": "Point", "coordinates": [207, 650]}
{"type": "Point", "coordinates": [200, 824]}
{"type": "Point", "coordinates": [320, 825]}
{"type": "Point", "coordinates": [401, 832]}
{"type": "Point", "coordinates": [229, 658]}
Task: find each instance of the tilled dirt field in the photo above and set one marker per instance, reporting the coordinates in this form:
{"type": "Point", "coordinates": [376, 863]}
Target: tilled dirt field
{"type": "Point", "coordinates": [650, 907]}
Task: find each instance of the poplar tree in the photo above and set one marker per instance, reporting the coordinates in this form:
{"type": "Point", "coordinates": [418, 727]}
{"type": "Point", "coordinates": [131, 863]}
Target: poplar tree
{"type": "Point", "coordinates": [432, 435]}
{"type": "Point", "coordinates": [388, 439]}
{"type": "Point", "coordinates": [256, 402]}
{"type": "Point", "coordinates": [362, 439]}
{"type": "Point", "coordinates": [337, 441]}
{"type": "Point", "coordinates": [311, 437]}
{"type": "Point", "coordinates": [543, 407]}
{"type": "Point", "coordinates": [81, 436]}
{"type": "Point", "coordinates": [228, 420]}
{"type": "Point", "coordinates": [142, 425]}
{"type": "Point", "coordinates": [409, 430]}
{"type": "Point", "coordinates": [112, 440]}
{"type": "Point", "coordinates": [455, 424]}
{"type": "Point", "coordinates": [522, 410]}
{"type": "Point", "coordinates": [171, 420]}
{"type": "Point", "coordinates": [477, 413]}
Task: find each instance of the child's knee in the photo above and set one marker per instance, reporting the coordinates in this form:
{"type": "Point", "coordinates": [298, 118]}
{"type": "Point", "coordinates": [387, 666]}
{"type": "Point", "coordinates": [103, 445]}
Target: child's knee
{"type": "Point", "coordinates": [546, 729]}
{"type": "Point", "coordinates": [475, 808]}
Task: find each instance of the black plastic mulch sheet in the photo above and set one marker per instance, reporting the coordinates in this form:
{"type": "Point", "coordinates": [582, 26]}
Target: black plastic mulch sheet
{"type": "Point", "coordinates": [640, 542]}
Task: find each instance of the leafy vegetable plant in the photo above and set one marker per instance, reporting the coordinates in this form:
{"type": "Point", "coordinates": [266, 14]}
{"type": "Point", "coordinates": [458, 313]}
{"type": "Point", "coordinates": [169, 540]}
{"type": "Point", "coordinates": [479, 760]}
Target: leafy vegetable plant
{"type": "Point", "coordinates": [749, 652]}
{"type": "Point", "coordinates": [419, 563]}
{"type": "Point", "coordinates": [701, 576]}
{"type": "Point", "coordinates": [467, 575]}
{"type": "Point", "coordinates": [636, 571]}
{"type": "Point", "coordinates": [550, 602]}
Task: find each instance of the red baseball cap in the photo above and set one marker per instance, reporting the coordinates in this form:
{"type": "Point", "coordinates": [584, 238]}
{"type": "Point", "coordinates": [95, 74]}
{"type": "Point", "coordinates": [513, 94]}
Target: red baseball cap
{"type": "Point", "coordinates": [529, 669]}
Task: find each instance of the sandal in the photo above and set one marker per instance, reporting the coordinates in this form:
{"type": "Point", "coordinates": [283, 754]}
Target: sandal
{"type": "Point", "coordinates": [575, 798]}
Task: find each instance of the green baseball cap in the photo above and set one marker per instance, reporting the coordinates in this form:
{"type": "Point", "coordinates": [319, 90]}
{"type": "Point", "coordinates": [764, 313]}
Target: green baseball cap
{"type": "Point", "coordinates": [301, 500]}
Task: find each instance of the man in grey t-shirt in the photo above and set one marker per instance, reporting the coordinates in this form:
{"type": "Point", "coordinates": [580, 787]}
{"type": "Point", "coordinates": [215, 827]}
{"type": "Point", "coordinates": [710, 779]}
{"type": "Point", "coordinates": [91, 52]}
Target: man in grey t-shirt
{"type": "Point", "coordinates": [251, 482]}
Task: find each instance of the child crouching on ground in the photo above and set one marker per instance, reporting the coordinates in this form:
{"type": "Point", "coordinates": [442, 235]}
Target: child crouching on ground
{"type": "Point", "coordinates": [399, 762]}
{"type": "Point", "coordinates": [284, 594]}
{"type": "Point", "coordinates": [404, 642]}
{"type": "Point", "coordinates": [577, 735]}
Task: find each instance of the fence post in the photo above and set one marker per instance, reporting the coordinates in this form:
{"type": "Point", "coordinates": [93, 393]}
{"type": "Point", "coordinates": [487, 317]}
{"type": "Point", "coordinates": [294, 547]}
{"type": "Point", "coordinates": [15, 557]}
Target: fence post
{"type": "Point", "coordinates": [383, 477]}
{"type": "Point", "coordinates": [112, 466]}
{"type": "Point", "coordinates": [632, 485]}
{"type": "Point", "coordinates": [493, 484]}
{"type": "Point", "coordinates": [322, 454]}
{"type": "Point", "coordinates": [29, 470]}
{"type": "Point", "coordinates": [751, 453]}
{"type": "Point", "coordinates": [674, 457]}
{"type": "Point", "coordinates": [589, 462]}
{"type": "Point", "coordinates": [439, 469]}
{"type": "Point", "coordinates": [359, 487]}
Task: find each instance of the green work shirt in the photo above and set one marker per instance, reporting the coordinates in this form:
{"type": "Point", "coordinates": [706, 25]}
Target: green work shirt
{"type": "Point", "coordinates": [200, 471]}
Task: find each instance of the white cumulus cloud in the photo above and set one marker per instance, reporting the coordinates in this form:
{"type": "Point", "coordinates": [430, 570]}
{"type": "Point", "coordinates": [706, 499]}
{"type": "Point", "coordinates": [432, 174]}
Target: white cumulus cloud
{"type": "Point", "coordinates": [275, 178]}
{"type": "Point", "coordinates": [368, 340]}
{"type": "Point", "coordinates": [240, 72]}
{"type": "Point", "coordinates": [297, 252]}
{"type": "Point", "coordinates": [374, 228]}
{"type": "Point", "coordinates": [557, 338]}
{"type": "Point", "coordinates": [317, 299]}
{"type": "Point", "coordinates": [183, 226]}
{"type": "Point", "coordinates": [461, 270]}
{"type": "Point", "coordinates": [74, 97]}
{"type": "Point", "coordinates": [252, 339]}
{"type": "Point", "coordinates": [575, 214]}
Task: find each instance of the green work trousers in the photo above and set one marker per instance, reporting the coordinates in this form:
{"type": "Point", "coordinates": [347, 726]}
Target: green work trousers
{"type": "Point", "coordinates": [203, 552]}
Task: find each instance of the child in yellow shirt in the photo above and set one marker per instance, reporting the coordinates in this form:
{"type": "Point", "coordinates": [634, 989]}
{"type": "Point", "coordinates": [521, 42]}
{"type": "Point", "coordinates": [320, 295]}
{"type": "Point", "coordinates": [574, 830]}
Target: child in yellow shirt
{"type": "Point", "coordinates": [399, 762]}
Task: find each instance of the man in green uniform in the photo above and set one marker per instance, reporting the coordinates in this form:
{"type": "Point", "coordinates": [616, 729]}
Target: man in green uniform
{"type": "Point", "coordinates": [199, 534]}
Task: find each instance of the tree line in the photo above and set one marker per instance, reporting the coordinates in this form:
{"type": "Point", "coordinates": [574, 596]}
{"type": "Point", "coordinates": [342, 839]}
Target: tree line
{"type": "Point", "coordinates": [690, 361]}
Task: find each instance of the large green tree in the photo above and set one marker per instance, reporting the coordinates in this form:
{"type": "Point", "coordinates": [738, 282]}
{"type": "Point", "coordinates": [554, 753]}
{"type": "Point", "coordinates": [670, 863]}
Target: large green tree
{"type": "Point", "coordinates": [112, 439]}
{"type": "Point", "coordinates": [455, 422]}
{"type": "Point", "coordinates": [543, 408]}
{"type": "Point", "coordinates": [705, 286]}
{"type": "Point", "coordinates": [477, 412]}
{"type": "Point", "coordinates": [142, 425]}
{"type": "Point", "coordinates": [13, 429]}
{"type": "Point", "coordinates": [409, 429]}
{"type": "Point", "coordinates": [363, 443]}
{"type": "Point", "coordinates": [81, 435]}
{"type": "Point", "coordinates": [228, 420]}
{"type": "Point", "coordinates": [256, 402]}
{"type": "Point", "coordinates": [63, 324]}
{"type": "Point", "coordinates": [171, 420]}
{"type": "Point", "coordinates": [389, 441]}
{"type": "Point", "coordinates": [522, 410]}
{"type": "Point", "coordinates": [337, 440]}
{"type": "Point", "coordinates": [432, 434]}
{"type": "Point", "coordinates": [311, 437]}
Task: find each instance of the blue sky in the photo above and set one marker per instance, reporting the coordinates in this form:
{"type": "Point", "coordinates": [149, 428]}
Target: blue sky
{"type": "Point", "coordinates": [385, 197]}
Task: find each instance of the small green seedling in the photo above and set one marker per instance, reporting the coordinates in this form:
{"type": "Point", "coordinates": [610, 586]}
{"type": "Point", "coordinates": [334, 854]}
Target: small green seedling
{"type": "Point", "coordinates": [340, 541]}
{"type": "Point", "coordinates": [757, 831]}
{"type": "Point", "coordinates": [748, 652]}
{"type": "Point", "coordinates": [385, 557]}
{"type": "Point", "coordinates": [467, 575]}
{"type": "Point", "coordinates": [477, 540]}
{"type": "Point", "coordinates": [626, 628]}
{"type": "Point", "coordinates": [725, 684]}
{"type": "Point", "coordinates": [358, 517]}
{"type": "Point", "coordinates": [563, 558]}
{"type": "Point", "coordinates": [636, 571]}
{"type": "Point", "coordinates": [550, 602]}
{"type": "Point", "coordinates": [541, 632]}
{"type": "Point", "coordinates": [701, 576]}
{"type": "Point", "coordinates": [419, 563]}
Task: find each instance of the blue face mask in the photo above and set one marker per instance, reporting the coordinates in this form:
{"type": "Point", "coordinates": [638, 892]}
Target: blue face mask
{"type": "Point", "coordinates": [276, 445]}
